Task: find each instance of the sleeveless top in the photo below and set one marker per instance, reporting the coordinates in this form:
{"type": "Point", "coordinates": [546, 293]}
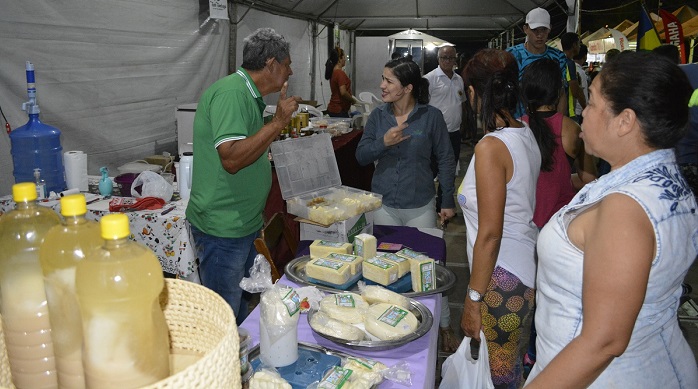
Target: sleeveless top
{"type": "Point", "coordinates": [554, 188]}
{"type": "Point", "coordinates": [517, 249]}
{"type": "Point", "coordinates": [658, 354]}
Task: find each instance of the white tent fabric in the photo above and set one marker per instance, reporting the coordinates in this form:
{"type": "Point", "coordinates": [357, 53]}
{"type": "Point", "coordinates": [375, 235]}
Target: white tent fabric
{"type": "Point", "coordinates": [109, 73]}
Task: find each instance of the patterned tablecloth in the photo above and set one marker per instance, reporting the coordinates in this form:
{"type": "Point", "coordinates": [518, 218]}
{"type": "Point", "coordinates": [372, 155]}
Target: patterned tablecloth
{"type": "Point", "coordinates": [167, 235]}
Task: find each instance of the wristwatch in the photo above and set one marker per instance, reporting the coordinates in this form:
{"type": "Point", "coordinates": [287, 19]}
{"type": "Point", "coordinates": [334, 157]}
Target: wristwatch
{"type": "Point", "coordinates": [474, 295]}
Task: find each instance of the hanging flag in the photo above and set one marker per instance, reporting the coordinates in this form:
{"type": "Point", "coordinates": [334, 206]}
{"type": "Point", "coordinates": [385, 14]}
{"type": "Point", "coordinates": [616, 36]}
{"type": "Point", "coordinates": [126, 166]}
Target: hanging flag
{"type": "Point", "coordinates": [647, 37]}
{"type": "Point", "coordinates": [673, 32]}
{"type": "Point", "coordinates": [619, 39]}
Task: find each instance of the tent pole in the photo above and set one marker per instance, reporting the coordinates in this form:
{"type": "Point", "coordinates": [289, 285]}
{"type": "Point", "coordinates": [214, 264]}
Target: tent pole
{"type": "Point", "coordinates": [232, 36]}
{"type": "Point", "coordinates": [313, 28]}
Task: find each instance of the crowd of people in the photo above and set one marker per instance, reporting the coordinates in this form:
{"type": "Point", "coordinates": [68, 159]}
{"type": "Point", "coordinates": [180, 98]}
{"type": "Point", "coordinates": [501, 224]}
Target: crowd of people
{"type": "Point", "coordinates": [600, 257]}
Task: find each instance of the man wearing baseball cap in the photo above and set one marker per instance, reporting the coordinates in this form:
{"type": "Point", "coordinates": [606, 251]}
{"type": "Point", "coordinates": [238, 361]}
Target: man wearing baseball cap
{"type": "Point", "coordinates": [537, 28]}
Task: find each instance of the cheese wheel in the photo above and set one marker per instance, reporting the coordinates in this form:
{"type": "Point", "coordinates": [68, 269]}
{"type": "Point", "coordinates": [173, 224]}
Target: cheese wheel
{"type": "Point", "coordinates": [365, 245]}
{"type": "Point", "coordinates": [403, 264]}
{"type": "Point", "coordinates": [324, 324]}
{"type": "Point", "coordinates": [348, 308]}
{"type": "Point", "coordinates": [328, 270]}
{"type": "Point", "coordinates": [378, 294]}
{"type": "Point", "coordinates": [353, 261]}
{"type": "Point", "coordinates": [379, 270]}
{"type": "Point", "coordinates": [390, 322]}
{"type": "Point", "coordinates": [423, 274]}
{"type": "Point", "coordinates": [322, 248]}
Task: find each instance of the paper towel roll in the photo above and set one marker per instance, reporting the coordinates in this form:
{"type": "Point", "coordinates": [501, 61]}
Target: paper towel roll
{"type": "Point", "coordinates": [75, 163]}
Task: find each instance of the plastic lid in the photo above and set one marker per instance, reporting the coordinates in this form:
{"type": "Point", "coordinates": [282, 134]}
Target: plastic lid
{"type": "Point", "coordinates": [114, 226]}
{"type": "Point", "coordinates": [73, 205]}
{"type": "Point", "coordinates": [25, 191]}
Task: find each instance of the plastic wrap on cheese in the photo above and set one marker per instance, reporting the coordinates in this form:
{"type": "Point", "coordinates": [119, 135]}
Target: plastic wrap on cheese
{"type": "Point", "coordinates": [324, 324]}
{"type": "Point", "coordinates": [423, 274]}
{"type": "Point", "coordinates": [328, 270]}
{"type": "Point", "coordinates": [380, 271]}
{"type": "Point", "coordinates": [366, 372]}
{"type": "Point", "coordinates": [349, 308]}
{"type": "Point", "coordinates": [365, 245]}
{"type": "Point", "coordinates": [279, 310]}
{"type": "Point", "coordinates": [377, 294]}
{"type": "Point", "coordinates": [354, 261]}
{"type": "Point", "coordinates": [322, 248]}
{"type": "Point", "coordinates": [403, 264]}
{"type": "Point", "coordinates": [390, 322]}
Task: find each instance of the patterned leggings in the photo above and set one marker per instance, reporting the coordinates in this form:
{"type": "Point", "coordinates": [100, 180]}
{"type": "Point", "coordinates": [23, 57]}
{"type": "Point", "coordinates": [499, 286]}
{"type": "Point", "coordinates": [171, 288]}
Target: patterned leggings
{"type": "Point", "coordinates": [507, 304]}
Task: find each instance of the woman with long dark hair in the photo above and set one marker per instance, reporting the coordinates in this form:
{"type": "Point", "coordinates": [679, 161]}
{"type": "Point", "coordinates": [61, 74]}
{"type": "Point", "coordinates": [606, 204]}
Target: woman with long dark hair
{"type": "Point", "coordinates": [340, 85]}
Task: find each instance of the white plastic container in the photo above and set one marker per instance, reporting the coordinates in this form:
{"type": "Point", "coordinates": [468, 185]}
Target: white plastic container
{"type": "Point", "coordinates": [184, 172]}
{"type": "Point", "coordinates": [278, 326]}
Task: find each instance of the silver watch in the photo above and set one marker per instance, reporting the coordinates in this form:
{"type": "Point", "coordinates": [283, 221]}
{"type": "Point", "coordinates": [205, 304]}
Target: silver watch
{"type": "Point", "coordinates": [474, 295]}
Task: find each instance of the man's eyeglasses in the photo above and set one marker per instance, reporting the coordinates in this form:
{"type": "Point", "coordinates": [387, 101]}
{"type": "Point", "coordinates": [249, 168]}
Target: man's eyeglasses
{"type": "Point", "coordinates": [447, 58]}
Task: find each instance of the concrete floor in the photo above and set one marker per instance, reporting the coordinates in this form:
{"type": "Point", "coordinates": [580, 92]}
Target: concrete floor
{"type": "Point", "coordinates": [456, 260]}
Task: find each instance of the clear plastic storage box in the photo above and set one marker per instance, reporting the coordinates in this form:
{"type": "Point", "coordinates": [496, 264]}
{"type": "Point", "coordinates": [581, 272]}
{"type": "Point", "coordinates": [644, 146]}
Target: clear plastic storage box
{"type": "Point", "coordinates": [310, 183]}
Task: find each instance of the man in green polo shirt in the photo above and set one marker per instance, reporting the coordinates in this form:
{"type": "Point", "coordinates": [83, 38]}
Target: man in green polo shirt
{"type": "Point", "coordinates": [231, 172]}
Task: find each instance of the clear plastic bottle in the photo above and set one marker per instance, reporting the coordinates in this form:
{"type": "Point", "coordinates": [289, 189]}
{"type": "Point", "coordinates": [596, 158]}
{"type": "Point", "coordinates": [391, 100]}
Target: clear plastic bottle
{"type": "Point", "coordinates": [40, 184]}
{"type": "Point", "coordinates": [23, 303]}
{"type": "Point", "coordinates": [125, 336]}
{"type": "Point", "coordinates": [64, 246]}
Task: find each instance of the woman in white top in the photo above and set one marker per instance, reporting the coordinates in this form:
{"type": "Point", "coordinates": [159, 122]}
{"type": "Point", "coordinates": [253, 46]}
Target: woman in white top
{"type": "Point", "coordinates": [497, 197]}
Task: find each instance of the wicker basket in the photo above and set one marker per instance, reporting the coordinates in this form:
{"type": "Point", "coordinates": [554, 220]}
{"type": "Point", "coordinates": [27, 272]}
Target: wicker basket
{"type": "Point", "coordinates": [199, 321]}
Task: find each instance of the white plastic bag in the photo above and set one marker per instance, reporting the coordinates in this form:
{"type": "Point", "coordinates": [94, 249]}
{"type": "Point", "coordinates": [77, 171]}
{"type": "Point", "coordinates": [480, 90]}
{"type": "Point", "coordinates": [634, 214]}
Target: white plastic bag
{"type": "Point", "coordinates": [153, 185]}
{"type": "Point", "coordinates": [460, 370]}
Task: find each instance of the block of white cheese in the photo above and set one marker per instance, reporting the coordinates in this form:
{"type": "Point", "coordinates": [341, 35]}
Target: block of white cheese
{"type": "Point", "coordinates": [328, 270]}
{"type": "Point", "coordinates": [365, 246]}
{"type": "Point", "coordinates": [403, 264]}
{"type": "Point", "coordinates": [409, 253]}
{"type": "Point", "coordinates": [321, 248]}
{"type": "Point", "coordinates": [366, 372]}
{"type": "Point", "coordinates": [423, 274]}
{"type": "Point", "coordinates": [380, 271]}
{"type": "Point", "coordinates": [354, 261]}
{"type": "Point", "coordinates": [378, 294]}
{"type": "Point", "coordinates": [390, 322]}
{"type": "Point", "coordinates": [346, 307]}
{"type": "Point", "coordinates": [324, 324]}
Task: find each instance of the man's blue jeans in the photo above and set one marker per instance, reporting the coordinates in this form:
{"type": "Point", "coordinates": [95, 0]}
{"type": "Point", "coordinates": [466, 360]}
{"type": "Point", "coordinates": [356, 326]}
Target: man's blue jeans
{"type": "Point", "coordinates": [223, 262]}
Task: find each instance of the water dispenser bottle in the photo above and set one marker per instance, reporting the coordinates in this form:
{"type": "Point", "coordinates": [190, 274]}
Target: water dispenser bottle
{"type": "Point", "coordinates": [37, 145]}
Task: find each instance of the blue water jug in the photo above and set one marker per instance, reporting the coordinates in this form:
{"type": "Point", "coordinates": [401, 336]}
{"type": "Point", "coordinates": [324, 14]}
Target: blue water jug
{"type": "Point", "coordinates": [37, 145]}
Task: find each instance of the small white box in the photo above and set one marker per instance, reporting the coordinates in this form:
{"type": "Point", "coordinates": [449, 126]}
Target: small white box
{"type": "Point", "coordinates": [343, 231]}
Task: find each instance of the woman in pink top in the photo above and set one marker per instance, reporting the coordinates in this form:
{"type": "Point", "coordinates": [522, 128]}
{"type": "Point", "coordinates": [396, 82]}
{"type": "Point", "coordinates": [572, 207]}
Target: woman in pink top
{"type": "Point", "coordinates": [557, 184]}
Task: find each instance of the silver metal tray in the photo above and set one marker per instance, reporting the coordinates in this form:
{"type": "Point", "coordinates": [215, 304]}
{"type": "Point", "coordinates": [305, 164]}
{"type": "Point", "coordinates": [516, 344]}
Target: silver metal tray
{"type": "Point", "coordinates": [424, 316]}
{"type": "Point", "coordinates": [295, 271]}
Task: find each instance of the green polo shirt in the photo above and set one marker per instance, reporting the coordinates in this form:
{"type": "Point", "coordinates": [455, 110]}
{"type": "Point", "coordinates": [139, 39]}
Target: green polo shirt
{"type": "Point", "coordinates": [223, 204]}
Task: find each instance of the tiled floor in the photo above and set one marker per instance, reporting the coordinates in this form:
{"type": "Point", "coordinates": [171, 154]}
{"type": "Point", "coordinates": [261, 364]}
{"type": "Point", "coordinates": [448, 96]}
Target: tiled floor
{"type": "Point", "coordinates": [456, 260]}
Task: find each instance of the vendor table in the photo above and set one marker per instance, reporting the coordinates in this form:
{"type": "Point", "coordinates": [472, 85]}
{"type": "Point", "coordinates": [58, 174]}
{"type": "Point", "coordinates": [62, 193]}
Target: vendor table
{"type": "Point", "coordinates": [167, 235]}
{"type": "Point", "coordinates": [421, 353]}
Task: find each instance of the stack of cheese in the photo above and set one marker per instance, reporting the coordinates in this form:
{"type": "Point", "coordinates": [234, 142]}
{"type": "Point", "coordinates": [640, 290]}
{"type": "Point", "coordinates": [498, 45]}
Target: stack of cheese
{"type": "Point", "coordinates": [342, 314]}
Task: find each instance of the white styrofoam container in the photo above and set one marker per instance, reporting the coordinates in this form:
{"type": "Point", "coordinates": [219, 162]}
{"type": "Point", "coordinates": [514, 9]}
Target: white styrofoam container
{"type": "Point", "coordinates": [342, 231]}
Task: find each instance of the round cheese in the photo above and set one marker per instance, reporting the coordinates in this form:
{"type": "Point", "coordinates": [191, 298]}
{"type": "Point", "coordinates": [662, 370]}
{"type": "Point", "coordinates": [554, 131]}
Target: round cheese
{"type": "Point", "coordinates": [324, 324]}
{"type": "Point", "coordinates": [378, 294]}
{"type": "Point", "coordinates": [346, 307]}
{"type": "Point", "coordinates": [390, 322]}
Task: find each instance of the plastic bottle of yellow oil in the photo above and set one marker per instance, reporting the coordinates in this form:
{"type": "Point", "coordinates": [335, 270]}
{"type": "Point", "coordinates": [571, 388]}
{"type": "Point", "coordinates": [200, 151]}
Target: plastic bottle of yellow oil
{"type": "Point", "coordinates": [23, 303]}
{"type": "Point", "coordinates": [64, 246]}
{"type": "Point", "coordinates": [125, 336]}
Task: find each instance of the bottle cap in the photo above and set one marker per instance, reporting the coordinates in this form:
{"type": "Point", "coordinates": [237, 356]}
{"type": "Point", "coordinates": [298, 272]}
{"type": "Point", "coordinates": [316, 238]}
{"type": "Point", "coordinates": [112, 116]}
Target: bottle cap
{"type": "Point", "coordinates": [114, 226]}
{"type": "Point", "coordinates": [25, 191]}
{"type": "Point", "coordinates": [73, 205]}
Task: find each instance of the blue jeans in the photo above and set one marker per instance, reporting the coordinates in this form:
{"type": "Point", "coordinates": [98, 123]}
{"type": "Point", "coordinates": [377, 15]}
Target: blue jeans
{"type": "Point", "coordinates": [223, 262]}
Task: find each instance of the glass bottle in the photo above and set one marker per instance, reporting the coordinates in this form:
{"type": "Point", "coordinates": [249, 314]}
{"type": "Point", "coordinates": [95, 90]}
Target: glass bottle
{"type": "Point", "coordinates": [125, 336]}
{"type": "Point", "coordinates": [23, 299]}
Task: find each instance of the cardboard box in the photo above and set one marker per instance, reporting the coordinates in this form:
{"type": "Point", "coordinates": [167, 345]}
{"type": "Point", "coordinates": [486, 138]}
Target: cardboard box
{"type": "Point", "coordinates": [343, 231]}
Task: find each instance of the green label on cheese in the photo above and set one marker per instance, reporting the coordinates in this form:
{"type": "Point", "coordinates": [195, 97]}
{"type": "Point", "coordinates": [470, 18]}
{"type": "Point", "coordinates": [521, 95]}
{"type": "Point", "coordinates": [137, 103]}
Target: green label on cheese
{"type": "Point", "coordinates": [330, 244]}
{"type": "Point", "coordinates": [344, 300]}
{"type": "Point", "coordinates": [359, 246]}
{"type": "Point", "coordinates": [292, 301]}
{"type": "Point", "coordinates": [409, 253]}
{"type": "Point", "coordinates": [334, 265]}
{"type": "Point", "coordinates": [336, 378]}
{"type": "Point", "coordinates": [380, 263]}
{"type": "Point", "coordinates": [426, 271]}
{"type": "Point", "coordinates": [394, 258]}
{"type": "Point", "coordinates": [392, 316]}
{"type": "Point", "coordinates": [342, 257]}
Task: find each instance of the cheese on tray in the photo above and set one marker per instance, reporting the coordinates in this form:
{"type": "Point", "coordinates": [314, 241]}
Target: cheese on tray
{"type": "Point", "coordinates": [379, 270]}
{"type": "Point", "coordinates": [403, 264]}
{"type": "Point", "coordinates": [322, 248]}
{"type": "Point", "coordinates": [390, 322]}
{"type": "Point", "coordinates": [264, 379]}
{"type": "Point", "coordinates": [324, 324]}
{"type": "Point", "coordinates": [423, 274]}
{"type": "Point", "coordinates": [328, 270]}
{"type": "Point", "coordinates": [378, 294]}
{"type": "Point", "coordinates": [366, 372]}
{"type": "Point", "coordinates": [349, 308]}
{"type": "Point", "coordinates": [353, 261]}
{"type": "Point", "coordinates": [365, 245]}
{"type": "Point", "coordinates": [409, 253]}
